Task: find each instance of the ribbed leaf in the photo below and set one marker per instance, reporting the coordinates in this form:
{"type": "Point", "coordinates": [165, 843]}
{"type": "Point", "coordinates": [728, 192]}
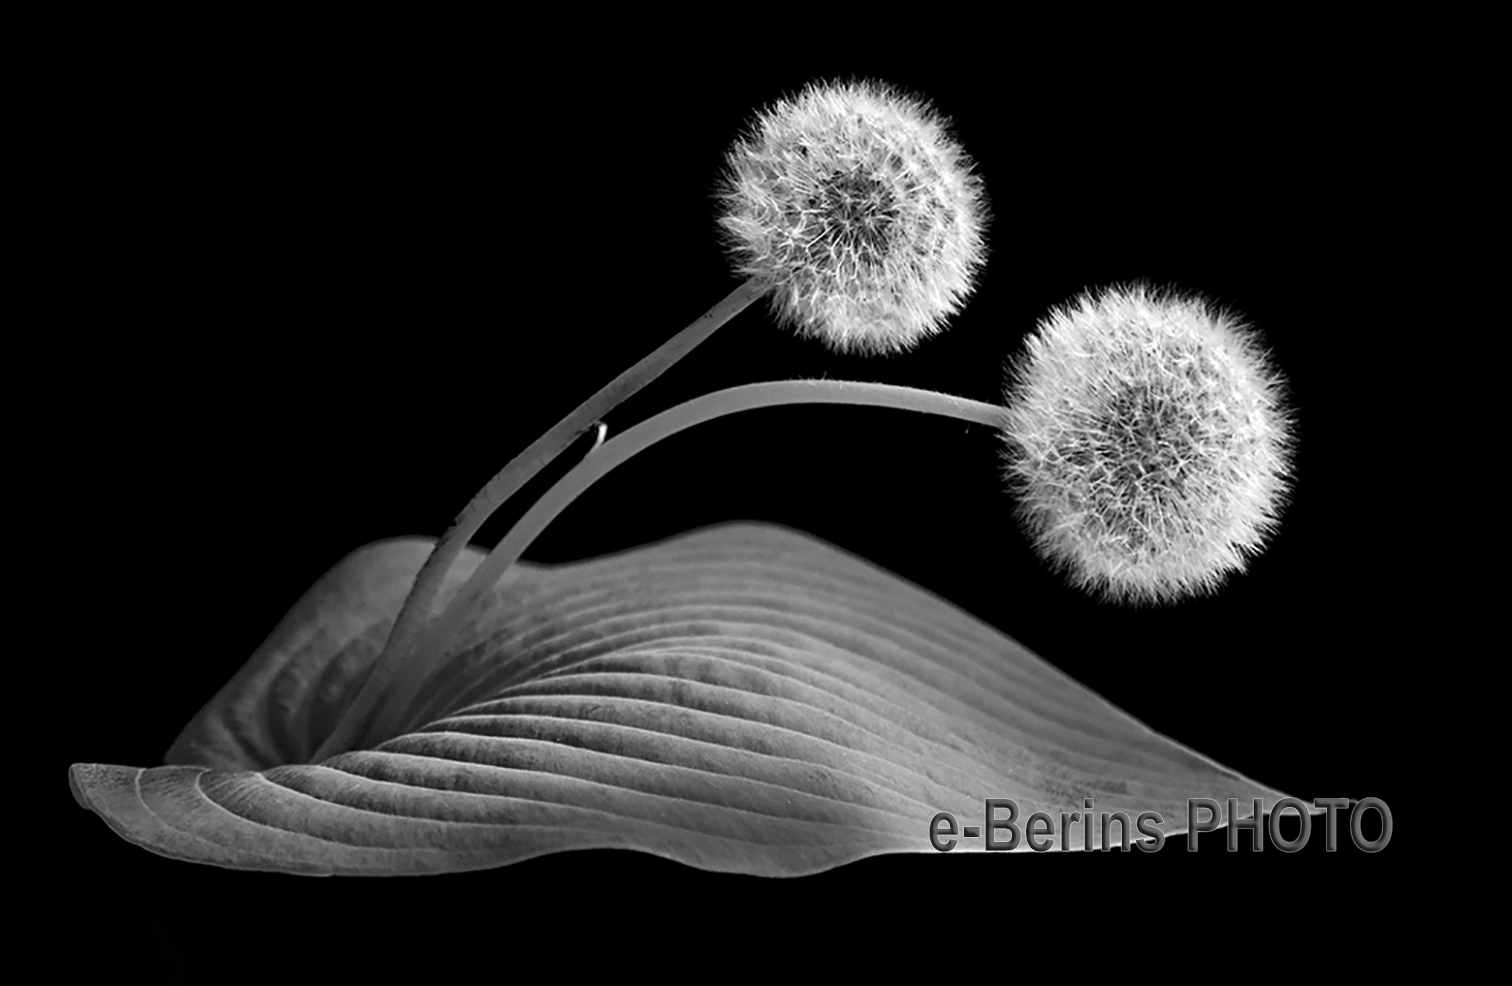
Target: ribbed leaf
{"type": "Point", "coordinates": [744, 699]}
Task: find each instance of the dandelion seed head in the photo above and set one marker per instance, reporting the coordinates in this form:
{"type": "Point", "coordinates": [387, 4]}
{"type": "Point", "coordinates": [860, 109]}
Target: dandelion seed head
{"type": "Point", "coordinates": [1148, 442]}
{"type": "Point", "coordinates": [854, 203]}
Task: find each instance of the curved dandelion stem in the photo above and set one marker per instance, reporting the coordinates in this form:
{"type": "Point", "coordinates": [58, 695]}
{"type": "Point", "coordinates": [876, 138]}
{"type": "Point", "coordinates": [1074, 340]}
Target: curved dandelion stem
{"type": "Point", "coordinates": [515, 474]}
{"type": "Point", "coordinates": [390, 720]}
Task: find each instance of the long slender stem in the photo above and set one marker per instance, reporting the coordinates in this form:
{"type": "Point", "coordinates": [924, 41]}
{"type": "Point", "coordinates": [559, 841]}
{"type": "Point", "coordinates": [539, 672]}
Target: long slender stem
{"type": "Point", "coordinates": [390, 720]}
{"type": "Point", "coordinates": [519, 470]}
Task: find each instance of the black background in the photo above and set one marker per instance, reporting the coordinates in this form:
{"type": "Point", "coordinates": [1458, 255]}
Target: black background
{"type": "Point", "coordinates": [336, 287]}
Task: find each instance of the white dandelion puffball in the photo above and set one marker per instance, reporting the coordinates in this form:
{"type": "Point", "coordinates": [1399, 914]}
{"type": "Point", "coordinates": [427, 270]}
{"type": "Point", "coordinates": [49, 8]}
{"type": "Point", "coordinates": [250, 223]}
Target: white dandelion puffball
{"type": "Point", "coordinates": [855, 205]}
{"type": "Point", "coordinates": [1148, 444]}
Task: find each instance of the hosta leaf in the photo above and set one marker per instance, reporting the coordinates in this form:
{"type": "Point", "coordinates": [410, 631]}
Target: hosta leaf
{"type": "Point", "coordinates": [743, 698]}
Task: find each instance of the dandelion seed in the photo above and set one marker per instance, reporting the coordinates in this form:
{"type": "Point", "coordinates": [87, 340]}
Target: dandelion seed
{"type": "Point", "coordinates": [1148, 443]}
{"type": "Point", "coordinates": [855, 205]}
